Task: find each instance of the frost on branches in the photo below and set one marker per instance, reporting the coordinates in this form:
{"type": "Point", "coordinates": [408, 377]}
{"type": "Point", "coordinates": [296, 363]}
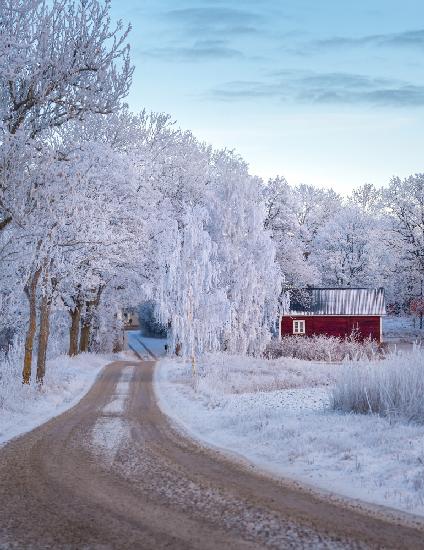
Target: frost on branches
{"type": "Point", "coordinates": [102, 208]}
{"type": "Point", "coordinates": [221, 283]}
{"type": "Point", "coordinates": [190, 301]}
{"type": "Point", "coordinates": [58, 61]}
{"type": "Point", "coordinates": [249, 273]}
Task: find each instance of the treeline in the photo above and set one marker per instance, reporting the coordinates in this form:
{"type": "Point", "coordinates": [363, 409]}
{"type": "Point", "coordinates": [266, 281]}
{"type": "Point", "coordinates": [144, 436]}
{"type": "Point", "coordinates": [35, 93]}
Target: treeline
{"type": "Point", "coordinates": [373, 237]}
{"type": "Point", "coordinates": [101, 208]}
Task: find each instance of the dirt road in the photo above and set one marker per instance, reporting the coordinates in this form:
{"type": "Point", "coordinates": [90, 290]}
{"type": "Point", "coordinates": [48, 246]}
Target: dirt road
{"type": "Point", "coordinates": [112, 473]}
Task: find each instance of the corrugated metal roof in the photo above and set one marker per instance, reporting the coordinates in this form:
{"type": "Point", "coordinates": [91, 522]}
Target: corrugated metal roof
{"type": "Point", "coordinates": [337, 301]}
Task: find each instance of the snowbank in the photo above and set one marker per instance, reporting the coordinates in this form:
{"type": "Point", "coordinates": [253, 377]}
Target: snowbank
{"type": "Point", "coordinates": [23, 408]}
{"type": "Point", "coordinates": [237, 405]}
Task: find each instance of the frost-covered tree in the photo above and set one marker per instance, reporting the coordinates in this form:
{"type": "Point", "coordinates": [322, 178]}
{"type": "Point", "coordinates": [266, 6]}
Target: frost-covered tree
{"type": "Point", "coordinates": [246, 253]}
{"type": "Point", "coordinates": [191, 300]}
{"type": "Point", "coordinates": [344, 250]}
{"type": "Point", "coordinates": [404, 204]}
{"type": "Point", "coordinates": [58, 61]}
{"type": "Point", "coordinates": [313, 208]}
{"type": "Point", "coordinates": [83, 221]}
{"type": "Point", "coordinates": [368, 198]}
{"type": "Point", "coordinates": [283, 223]}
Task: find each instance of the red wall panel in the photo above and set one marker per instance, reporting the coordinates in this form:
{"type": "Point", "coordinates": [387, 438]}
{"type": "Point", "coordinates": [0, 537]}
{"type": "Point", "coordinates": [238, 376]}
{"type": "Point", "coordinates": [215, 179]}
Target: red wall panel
{"type": "Point", "coordinates": [335, 325]}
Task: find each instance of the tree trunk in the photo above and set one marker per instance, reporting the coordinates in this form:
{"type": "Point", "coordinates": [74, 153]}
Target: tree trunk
{"type": "Point", "coordinates": [117, 343]}
{"type": "Point", "coordinates": [5, 222]}
{"type": "Point", "coordinates": [74, 330]}
{"type": "Point", "coordinates": [85, 334]}
{"type": "Point", "coordinates": [31, 293]}
{"type": "Point", "coordinates": [87, 321]}
{"type": "Point", "coordinates": [43, 336]}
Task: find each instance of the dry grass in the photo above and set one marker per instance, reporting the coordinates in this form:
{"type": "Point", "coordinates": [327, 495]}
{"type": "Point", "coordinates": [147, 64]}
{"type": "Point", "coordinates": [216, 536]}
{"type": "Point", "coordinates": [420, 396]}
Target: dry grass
{"type": "Point", "coordinates": [223, 374]}
{"type": "Point", "coordinates": [393, 387]}
{"type": "Point", "coordinates": [323, 348]}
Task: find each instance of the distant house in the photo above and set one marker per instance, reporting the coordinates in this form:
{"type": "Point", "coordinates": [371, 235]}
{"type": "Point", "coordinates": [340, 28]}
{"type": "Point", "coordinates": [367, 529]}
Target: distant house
{"type": "Point", "coordinates": [334, 312]}
{"type": "Point", "coordinates": [129, 317]}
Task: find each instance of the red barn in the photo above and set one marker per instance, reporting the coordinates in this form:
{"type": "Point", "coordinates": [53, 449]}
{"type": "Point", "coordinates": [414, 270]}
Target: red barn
{"type": "Point", "coordinates": [334, 312]}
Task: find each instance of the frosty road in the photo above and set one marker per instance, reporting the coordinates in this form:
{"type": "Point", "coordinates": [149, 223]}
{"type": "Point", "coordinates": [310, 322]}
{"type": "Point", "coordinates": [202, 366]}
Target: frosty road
{"type": "Point", "coordinates": [113, 473]}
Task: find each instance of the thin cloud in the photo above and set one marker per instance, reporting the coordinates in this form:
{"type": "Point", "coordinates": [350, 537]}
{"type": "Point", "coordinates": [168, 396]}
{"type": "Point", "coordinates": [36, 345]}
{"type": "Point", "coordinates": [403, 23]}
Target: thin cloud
{"type": "Point", "coordinates": [412, 38]}
{"type": "Point", "coordinates": [325, 88]}
{"type": "Point", "coordinates": [212, 16]}
{"type": "Point", "coordinates": [201, 50]}
{"type": "Point", "coordinates": [215, 20]}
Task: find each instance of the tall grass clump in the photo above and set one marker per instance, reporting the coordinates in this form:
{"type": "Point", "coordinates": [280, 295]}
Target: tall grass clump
{"type": "Point", "coordinates": [393, 387]}
{"type": "Point", "coordinates": [323, 348]}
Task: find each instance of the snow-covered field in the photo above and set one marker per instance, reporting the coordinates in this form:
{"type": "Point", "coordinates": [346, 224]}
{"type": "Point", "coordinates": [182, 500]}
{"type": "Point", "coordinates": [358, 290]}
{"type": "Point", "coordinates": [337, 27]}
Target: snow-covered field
{"type": "Point", "coordinates": [397, 328]}
{"type": "Point", "coordinates": [23, 408]}
{"type": "Point", "coordinates": [276, 415]}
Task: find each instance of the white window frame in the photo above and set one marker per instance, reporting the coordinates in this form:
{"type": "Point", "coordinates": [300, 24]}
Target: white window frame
{"type": "Point", "coordinates": [299, 326]}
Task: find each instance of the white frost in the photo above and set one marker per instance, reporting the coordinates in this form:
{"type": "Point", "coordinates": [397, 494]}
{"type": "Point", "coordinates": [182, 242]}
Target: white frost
{"type": "Point", "coordinates": [291, 431]}
{"type": "Point", "coordinates": [24, 408]}
{"type": "Point", "coordinates": [111, 429]}
{"type": "Point", "coordinates": [120, 396]}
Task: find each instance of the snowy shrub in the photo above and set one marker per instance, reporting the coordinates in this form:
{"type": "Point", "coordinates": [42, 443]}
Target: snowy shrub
{"type": "Point", "coordinates": [393, 387]}
{"type": "Point", "coordinates": [323, 348]}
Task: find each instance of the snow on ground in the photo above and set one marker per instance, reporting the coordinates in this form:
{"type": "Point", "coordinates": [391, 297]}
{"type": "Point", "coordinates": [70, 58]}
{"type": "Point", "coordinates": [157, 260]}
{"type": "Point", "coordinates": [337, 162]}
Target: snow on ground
{"type": "Point", "coordinates": [108, 436]}
{"type": "Point", "coordinates": [135, 344]}
{"type": "Point", "coordinates": [136, 340]}
{"type": "Point", "coordinates": [276, 414]}
{"type": "Point", "coordinates": [398, 328]}
{"type": "Point", "coordinates": [120, 396]}
{"type": "Point", "coordinates": [23, 408]}
{"type": "Point", "coordinates": [156, 345]}
{"type": "Point", "coordinates": [111, 430]}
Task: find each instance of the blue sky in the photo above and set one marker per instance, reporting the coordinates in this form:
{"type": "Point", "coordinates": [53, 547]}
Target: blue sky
{"type": "Point", "coordinates": [327, 92]}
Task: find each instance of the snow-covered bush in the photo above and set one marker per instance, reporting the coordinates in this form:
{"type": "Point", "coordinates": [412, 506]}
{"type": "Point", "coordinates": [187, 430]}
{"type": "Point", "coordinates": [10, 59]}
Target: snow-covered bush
{"type": "Point", "coordinates": [393, 387]}
{"type": "Point", "coordinates": [322, 348]}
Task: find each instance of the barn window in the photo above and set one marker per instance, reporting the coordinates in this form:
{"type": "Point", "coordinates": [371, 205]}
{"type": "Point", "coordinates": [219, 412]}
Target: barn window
{"type": "Point", "coordinates": [298, 327]}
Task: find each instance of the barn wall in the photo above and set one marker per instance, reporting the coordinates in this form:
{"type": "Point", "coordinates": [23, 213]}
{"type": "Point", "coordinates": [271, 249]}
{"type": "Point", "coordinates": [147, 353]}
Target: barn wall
{"type": "Point", "coordinates": [335, 325]}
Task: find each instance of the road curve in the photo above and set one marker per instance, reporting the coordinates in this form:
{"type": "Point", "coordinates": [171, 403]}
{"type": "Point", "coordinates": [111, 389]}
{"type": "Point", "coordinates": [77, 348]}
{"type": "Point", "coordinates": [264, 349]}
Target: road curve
{"type": "Point", "coordinates": [113, 473]}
